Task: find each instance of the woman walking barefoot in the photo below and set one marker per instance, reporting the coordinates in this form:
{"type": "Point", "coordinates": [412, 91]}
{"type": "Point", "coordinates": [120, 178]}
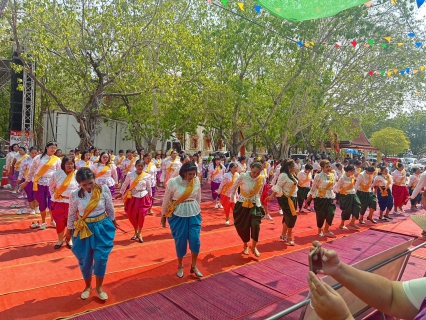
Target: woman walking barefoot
{"type": "Point", "coordinates": [248, 211]}
{"type": "Point", "coordinates": [91, 215]}
{"type": "Point", "coordinates": [286, 190]}
{"type": "Point", "coordinates": [225, 190]}
{"type": "Point", "coordinates": [349, 201]}
{"type": "Point", "coordinates": [181, 205]}
{"type": "Point", "coordinates": [137, 194]}
{"type": "Point", "coordinates": [61, 185]}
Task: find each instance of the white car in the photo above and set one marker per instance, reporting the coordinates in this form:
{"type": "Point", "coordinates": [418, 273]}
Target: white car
{"type": "Point", "coordinates": [412, 163]}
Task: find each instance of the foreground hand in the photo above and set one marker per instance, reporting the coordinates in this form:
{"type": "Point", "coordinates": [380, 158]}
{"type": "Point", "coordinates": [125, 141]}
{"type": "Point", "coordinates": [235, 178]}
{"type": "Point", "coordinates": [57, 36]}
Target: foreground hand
{"type": "Point", "coordinates": [68, 235]}
{"type": "Point", "coordinates": [115, 223]}
{"type": "Point", "coordinates": [330, 259]}
{"type": "Point", "coordinates": [22, 186]}
{"type": "Point", "coordinates": [326, 302]}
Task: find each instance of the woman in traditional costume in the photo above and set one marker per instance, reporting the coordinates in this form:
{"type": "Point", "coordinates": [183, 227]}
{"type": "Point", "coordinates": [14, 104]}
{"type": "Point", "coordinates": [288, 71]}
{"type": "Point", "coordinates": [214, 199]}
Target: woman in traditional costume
{"type": "Point", "coordinates": [304, 178]}
{"type": "Point", "coordinates": [181, 205]}
{"type": "Point", "coordinates": [172, 165]}
{"type": "Point", "coordinates": [399, 188]}
{"type": "Point", "coordinates": [349, 201]}
{"type": "Point", "coordinates": [16, 163]}
{"type": "Point", "coordinates": [128, 164]}
{"type": "Point", "coordinates": [84, 161]}
{"type": "Point", "coordinates": [137, 195]}
{"type": "Point", "coordinates": [61, 185]}
{"type": "Point", "coordinates": [105, 172]}
{"type": "Point", "coordinates": [412, 184]}
{"type": "Point", "coordinates": [215, 176]}
{"type": "Point", "coordinates": [248, 211]}
{"type": "Point", "coordinates": [242, 167]}
{"type": "Point", "coordinates": [383, 183]}
{"type": "Point", "coordinates": [151, 169]}
{"type": "Point", "coordinates": [118, 161]}
{"type": "Point", "coordinates": [225, 190]}
{"type": "Point", "coordinates": [95, 156]}
{"type": "Point", "coordinates": [323, 195]}
{"type": "Point", "coordinates": [40, 173]}
{"type": "Point", "coordinates": [363, 185]}
{"type": "Point", "coordinates": [92, 218]}
{"type": "Point", "coordinates": [286, 191]}
{"type": "Point", "coordinates": [157, 162]}
{"type": "Point", "coordinates": [10, 170]}
{"type": "Point", "coordinates": [23, 176]}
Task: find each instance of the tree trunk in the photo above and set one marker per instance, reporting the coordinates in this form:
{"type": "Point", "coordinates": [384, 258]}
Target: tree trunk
{"type": "Point", "coordinates": [89, 125]}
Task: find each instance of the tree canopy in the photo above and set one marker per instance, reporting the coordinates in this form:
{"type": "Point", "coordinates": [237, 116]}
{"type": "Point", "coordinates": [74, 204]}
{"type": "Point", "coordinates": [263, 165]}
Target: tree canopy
{"type": "Point", "coordinates": [390, 141]}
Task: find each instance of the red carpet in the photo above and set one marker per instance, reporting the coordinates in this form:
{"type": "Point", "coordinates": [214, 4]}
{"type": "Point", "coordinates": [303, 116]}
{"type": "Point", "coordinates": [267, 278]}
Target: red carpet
{"type": "Point", "coordinates": [39, 282]}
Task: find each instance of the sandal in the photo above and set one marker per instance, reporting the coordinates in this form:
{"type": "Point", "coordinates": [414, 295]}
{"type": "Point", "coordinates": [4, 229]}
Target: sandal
{"type": "Point", "coordinates": [387, 217]}
{"type": "Point", "coordinates": [343, 227]}
{"type": "Point", "coordinates": [35, 225]}
{"type": "Point", "coordinates": [284, 238]}
{"type": "Point", "coordinates": [58, 246]}
{"type": "Point", "coordinates": [354, 226]}
{"type": "Point", "coordinates": [140, 239]}
{"type": "Point", "coordinates": [255, 252]}
{"type": "Point", "coordinates": [134, 237]}
{"type": "Point", "coordinates": [246, 251]}
{"type": "Point", "coordinates": [372, 220]}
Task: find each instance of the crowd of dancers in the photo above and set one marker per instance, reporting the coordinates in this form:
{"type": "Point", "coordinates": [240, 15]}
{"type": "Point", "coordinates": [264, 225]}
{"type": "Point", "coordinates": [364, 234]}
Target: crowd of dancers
{"type": "Point", "coordinates": [78, 189]}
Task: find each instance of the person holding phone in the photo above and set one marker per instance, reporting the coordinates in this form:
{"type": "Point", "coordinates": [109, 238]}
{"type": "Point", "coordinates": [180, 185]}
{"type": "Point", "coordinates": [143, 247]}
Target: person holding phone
{"type": "Point", "coordinates": [405, 300]}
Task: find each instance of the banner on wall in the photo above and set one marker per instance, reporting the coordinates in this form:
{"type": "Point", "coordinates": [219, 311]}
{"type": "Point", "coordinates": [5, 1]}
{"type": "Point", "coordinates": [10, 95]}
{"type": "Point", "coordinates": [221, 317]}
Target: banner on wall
{"type": "Point", "coordinates": [16, 137]}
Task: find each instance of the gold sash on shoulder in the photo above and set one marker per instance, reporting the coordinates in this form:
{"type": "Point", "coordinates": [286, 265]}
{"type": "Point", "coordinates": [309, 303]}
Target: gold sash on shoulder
{"type": "Point", "coordinates": [43, 171]}
{"type": "Point", "coordinates": [172, 206]}
{"type": "Point", "coordinates": [64, 186]}
{"type": "Point", "coordinates": [80, 225]}
{"type": "Point", "coordinates": [18, 163]}
{"type": "Point", "coordinates": [229, 184]}
{"type": "Point", "coordinates": [128, 194]}
{"type": "Point", "coordinates": [102, 172]}
{"type": "Point", "coordinates": [247, 203]}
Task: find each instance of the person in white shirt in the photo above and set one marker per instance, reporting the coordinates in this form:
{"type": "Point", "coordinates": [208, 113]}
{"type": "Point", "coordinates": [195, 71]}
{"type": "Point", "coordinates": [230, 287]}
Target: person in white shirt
{"type": "Point", "coordinates": [16, 163]}
{"type": "Point", "coordinates": [61, 185]}
{"type": "Point", "coordinates": [242, 167]}
{"type": "Point", "coordinates": [215, 177]}
{"type": "Point", "coordinates": [10, 170]}
{"type": "Point", "coordinates": [23, 176]}
{"type": "Point", "coordinates": [92, 217]}
{"type": "Point", "coordinates": [363, 185]}
{"type": "Point", "coordinates": [412, 184]}
{"type": "Point", "coordinates": [297, 165]}
{"type": "Point", "coordinates": [172, 166]}
{"type": "Point", "coordinates": [105, 172]}
{"type": "Point", "coordinates": [419, 187]}
{"type": "Point", "coordinates": [84, 161]}
{"type": "Point", "coordinates": [323, 195]}
{"type": "Point", "coordinates": [349, 201]}
{"type": "Point", "coordinates": [118, 161]}
{"type": "Point", "coordinates": [128, 164]}
{"type": "Point", "coordinates": [316, 166]}
{"type": "Point", "coordinates": [181, 205]}
{"type": "Point", "coordinates": [137, 195]}
{"type": "Point", "coordinates": [95, 157]}
{"type": "Point", "coordinates": [225, 190]}
{"type": "Point", "coordinates": [402, 300]}
{"type": "Point", "coordinates": [286, 190]}
{"type": "Point", "coordinates": [304, 178]}
{"type": "Point", "coordinates": [399, 188]}
{"type": "Point", "coordinates": [383, 183]}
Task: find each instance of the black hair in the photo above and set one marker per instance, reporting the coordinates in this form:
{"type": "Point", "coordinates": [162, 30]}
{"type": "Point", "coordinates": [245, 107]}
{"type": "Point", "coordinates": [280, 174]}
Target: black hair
{"type": "Point", "coordinates": [182, 158]}
{"type": "Point", "coordinates": [413, 170]}
{"type": "Point", "coordinates": [34, 148]}
{"type": "Point", "coordinates": [231, 165]}
{"type": "Point", "coordinates": [83, 154]}
{"type": "Point", "coordinates": [214, 162]}
{"type": "Point", "coordinates": [349, 168]}
{"type": "Point", "coordinates": [120, 151]}
{"type": "Point", "coordinates": [49, 144]}
{"type": "Point", "coordinates": [399, 165]}
{"type": "Point", "coordinates": [286, 169]}
{"type": "Point", "coordinates": [338, 165]}
{"type": "Point", "coordinates": [381, 168]}
{"type": "Point", "coordinates": [241, 158]}
{"type": "Point", "coordinates": [186, 167]}
{"type": "Point", "coordinates": [357, 163]}
{"type": "Point", "coordinates": [370, 169]}
{"type": "Point", "coordinates": [83, 174]}
{"type": "Point", "coordinates": [129, 151]}
{"type": "Point", "coordinates": [146, 155]}
{"type": "Point", "coordinates": [100, 158]}
{"type": "Point", "coordinates": [23, 148]}
{"type": "Point", "coordinates": [308, 167]}
{"type": "Point", "coordinates": [137, 162]}
{"type": "Point", "coordinates": [76, 149]}
{"type": "Point", "coordinates": [256, 164]}
{"type": "Point", "coordinates": [72, 150]}
{"type": "Point", "coordinates": [65, 160]}
{"type": "Point", "coordinates": [12, 146]}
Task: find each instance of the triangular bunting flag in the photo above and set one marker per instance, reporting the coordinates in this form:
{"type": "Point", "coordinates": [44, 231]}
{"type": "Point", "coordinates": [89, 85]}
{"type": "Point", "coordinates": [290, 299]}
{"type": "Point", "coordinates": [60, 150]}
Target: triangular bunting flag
{"type": "Point", "coordinates": [422, 68]}
{"type": "Point", "coordinates": [395, 71]}
{"type": "Point", "coordinates": [257, 8]}
{"type": "Point", "coordinates": [300, 44]}
{"type": "Point", "coordinates": [382, 72]}
{"type": "Point", "coordinates": [307, 44]}
{"type": "Point", "coordinates": [388, 39]}
{"type": "Point", "coordinates": [384, 45]}
{"type": "Point", "coordinates": [389, 73]}
{"type": "Point", "coordinates": [365, 74]}
{"type": "Point", "coordinates": [224, 2]}
{"type": "Point", "coordinates": [400, 44]}
{"type": "Point", "coordinates": [419, 3]}
{"type": "Point", "coordinates": [312, 43]}
{"type": "Point", "coordinates": [366, 45]}
{"type": "Point", "coordinates": [418, 44]}
{"type": "Point", "coordinates": [241, 5]}
{"type": "Point", "coordinates": [411, 34]}
{"type": "Point", "coordinates": [368, 4]}
{"type": "Point", "coordinates": [337, 45]}
{"type": "Point", "coordinates": [394, 2]}
{"type": "Point", "coordinates": [402, 72]}
{"type": "Point", "coordinates": [371, 73]}
{"type": "Point", "coordinates": [408, 70]}
{"type": "Point", "coordinates": [354, 43]}
{"type": "Point", "coordinates": [370, 42]}
{"type": "Point", "coordinates": [415, 71]}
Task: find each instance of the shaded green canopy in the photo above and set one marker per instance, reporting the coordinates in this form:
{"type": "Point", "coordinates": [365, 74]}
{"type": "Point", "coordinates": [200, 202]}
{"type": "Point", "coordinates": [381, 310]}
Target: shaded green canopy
{"type": "Point", "coordinates": [300, 10]}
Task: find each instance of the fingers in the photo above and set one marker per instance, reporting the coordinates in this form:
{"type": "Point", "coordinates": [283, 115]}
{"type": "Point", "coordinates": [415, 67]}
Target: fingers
{"type": "Point", "coordinates": [315, 244]}
{"type": "Point", "coordinates": [317, 284]}
{"type": "Point", "coordinates": [328, 254]}
{"type": "Point", "coordinates": [327, 287]}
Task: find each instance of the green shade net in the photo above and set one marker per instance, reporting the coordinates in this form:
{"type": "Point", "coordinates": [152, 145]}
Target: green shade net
{"type": "Point", "coordinates": [300, 10]}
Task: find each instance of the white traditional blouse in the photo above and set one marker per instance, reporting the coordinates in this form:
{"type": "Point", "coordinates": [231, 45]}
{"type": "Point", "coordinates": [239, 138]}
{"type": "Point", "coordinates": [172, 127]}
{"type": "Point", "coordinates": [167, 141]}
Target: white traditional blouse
{"type": "Point", "coordinates": [420, 185]}
{"type": "Point", "coordinates": [171, 166]}
{"type": "Point", "coordinates": [227, 178]}
{"type": "Point", "coordinates": [78, 205]}
{"type": "Point", "coordinates": [117, 160]}
{"type": "Point", "coordinates": [81, 163]}
{"type": "Point", "coordinates": [364, 182]}
{"type": "Point", "coordinates": [276, 174]}
{"type": "Point", "coordinates": [339, 174]}
{"type": "Point", "coordinates": [380, 181]}
{"type": "Point", "coordinates": [241, 167]}
{"type": "Point", "coordinates": [55, 183]}
{"type": "Point", "coordinates": [25, 168]}
{"type": "Point", "coordinates": [94, 158]}
{"type": "Point", "coordinates": [218, 176]}
{"type": "Point", "coordinates": [126, 163]}
{"type": "Point", "coordinates": [9, 158]}
{"type": "Point", "coordinates": [304, 182]}
{"type": "Point", "coordinates": [19, 157]}
{"type": "Point", "coordinates": [152, 173]}
{"type": "Point", "coordinates": [157, 163]}
{"type": "Point", "coordinates": [399, 177]}
{"type": "Point", "coordinates": [174, 190]}
{"type": "Point", "coordinates": [284, 185]}
{"type": "Point", "coordinates": [38, 164]}
{"type": "Point", "coordinates": [321, 183]}
{"type": "Point", "coordinates": [316, 166]}
{"type": "Point", "coordinates": [141, 189]}
{"type": "Point", "coordinates": [109, 178]}
{"type": "Point", "coordinates": [343, 184]}
{"type": "Point", "coordinates": [413, 180]}
{"type": "Point", "coordinates": [247, 183]}
{"type": "Point", "coordinates": [298, 167]}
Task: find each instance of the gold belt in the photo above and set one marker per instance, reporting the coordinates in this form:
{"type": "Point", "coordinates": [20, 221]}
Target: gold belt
{"type": "Point", "coordinates": [95, 219]}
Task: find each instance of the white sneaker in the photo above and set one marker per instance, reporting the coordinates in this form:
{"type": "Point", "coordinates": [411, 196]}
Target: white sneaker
{"type": "Point", "coordinates": [32, 211]}
{"type": "Point", "coordinates": [216, 206]}
{"type": "Point", "coordinates": [220, 206]}
{"type": "Point", "coordinates": [227, 223]}
{"type": "Point", "coordinates": [22, 196]}
{"type": "Point", "coordinates": [53, 223]}
{"type": "Point", "coordinates": [268, 217]}
{"type": "Point", "coordinates": [37, 210]}
{"type": "Point", "coordinates": [14, 192]}
{"type": "Point", "coordinates": [43, 226]}
{"type": "Point", "coordinates": [280, 212]}
{"type": "Point", "coordinates": [21, 211]}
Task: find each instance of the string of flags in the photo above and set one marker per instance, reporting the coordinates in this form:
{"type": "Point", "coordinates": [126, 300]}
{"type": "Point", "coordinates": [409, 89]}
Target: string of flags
{"type": "Point", "coordinates": [419, 2]}
{"type": "Point", "coordinates": [405, 71]}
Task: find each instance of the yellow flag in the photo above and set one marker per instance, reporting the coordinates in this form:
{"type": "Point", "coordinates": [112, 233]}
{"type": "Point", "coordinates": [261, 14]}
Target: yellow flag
{"type": "Point", "coordinates": [388, 39]}
{"type": "Point", "coordinates": [400, 44]}
{"type": "Point", "coordinates": [312, 43]}
{"type": "Point", "coordinates": [415, 71]}
{"type": "Point", "coordinates": [389, 73]}
{"type": "Point", "coordinates": [395, 71]}
{"type": "Point", "coordinates": [241, 5]}
{"type": "Point", "coordinates": [422, 68]}
{"type": "Point", "coordinates": [418, 93]}
{"type": "Point", "coordinates": [394, 2]}
{"type": "Point", "coordinates": [307, 44]}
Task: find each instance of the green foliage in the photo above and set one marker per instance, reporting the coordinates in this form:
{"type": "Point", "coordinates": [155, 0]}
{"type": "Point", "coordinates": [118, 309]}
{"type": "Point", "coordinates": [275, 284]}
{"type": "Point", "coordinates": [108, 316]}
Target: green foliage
{"type": "Point", "coordinates": [390, 141]}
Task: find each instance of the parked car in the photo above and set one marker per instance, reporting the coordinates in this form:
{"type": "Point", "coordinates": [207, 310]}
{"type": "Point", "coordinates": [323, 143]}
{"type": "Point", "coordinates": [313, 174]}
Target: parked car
{"type": "Point", "coordinates": [411, 163]}
{"type": "Point", "coordinates": [219, 154]}
{"type": "Point", "coordinates": [422, 161]}
{"type": "Point", "coordinates": [301, 156]}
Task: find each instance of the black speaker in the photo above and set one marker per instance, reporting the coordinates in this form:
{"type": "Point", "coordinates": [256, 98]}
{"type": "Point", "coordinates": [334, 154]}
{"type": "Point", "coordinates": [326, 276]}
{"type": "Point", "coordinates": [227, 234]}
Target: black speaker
{"type": "Point", "coordinates": [15, 97]}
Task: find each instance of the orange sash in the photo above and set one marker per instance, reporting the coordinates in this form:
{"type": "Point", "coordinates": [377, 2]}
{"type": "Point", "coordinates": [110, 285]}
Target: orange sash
{"type": "Point", "coordinates": [384, 190]}
{"type": "Point", "coordinates": [148, 170]}
{"type": "Point", "coordinates": [80, 225]}
{"type": "Point", "coordinates": [229, 184]}
{"type": "Point", "coordinates": [121, 160]}
{"type": "Point", "coordinates": [171, 169]}
{"type": "Point", "coordinates": [64, 186]}
{"type": "Point", "coordinates": [172, 206]}
{"type": "Point", "coordinates": [87, 164]}
{"type": "Point", "coordinates": [366, 187]}
{"type": "Point", "coordinates": [18, 163]}
{"type": "Point", "coordinates": [322, 191]}
{"type": "Point", "coordinates": [403, 178]}
{"type": "Point", "coordinates": [43, 171]}
{"type": "Point", "coordinates": [102, 172]}
{"type": "Point", "coordinates": [216, 172]}
{"type": "Point", "coordinates": [344, 190]}
{"type": "Point", "coordinates": [247, 203]}
{"type": "Point", "coordinates": [128, 194]}
{"type": "Point", "coordinates": [290, 202]}
{"type": "Point", "coordinates": [132, 162]}
{"type": "Point", "coordinates": [308, 177]}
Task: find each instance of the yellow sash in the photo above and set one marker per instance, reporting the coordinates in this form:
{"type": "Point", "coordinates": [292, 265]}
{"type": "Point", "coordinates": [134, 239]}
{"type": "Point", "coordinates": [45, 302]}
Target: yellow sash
{"type": "Point", "coordinates": [80, 225]}
{"type": "Point", "coordinates": [121, 160]}
{"type": "Point", "coordinates": [344, 190]}
{"type": "Point", "coordinates": [216, 172]}
{"type": "Point", "coordinates": [43, 171]}
{"type": "Point", "coordinates": [102, 172]}
{"type": "Point", "coordinates": [247, 203]}
{"type": "Point", "coordinates": [26, 174]}
{"type": "Point", "coordinates": [87, 164]}
{"type": "Point", "coordinates": [64, 186]}
{"type": "Point", "coordinates": [172, 206]}
{"type": "Point", "coordinates": [78, 157]}
{"type": "Point", "coordinates": [132, 162]}
{"type": "Point", "coordinates": [128, 194]}
{"type": "Point", "coordinates": [112, 157]}
{"type": "Point", "coordinates": [357, 172]}
{"type": "Point", "coordinates": [366, 187]}
{"type": "Point", "coordinates": [308, 178]}
{"type": "Point", "coordinates": [403, 178]}
{"type": "Point", "coordinates": [18, 163]}
{"type": "Point", "coordinates": [290, 201]}
{"type": "Point", "coordinates": [322, 191]}
{"type": "Point", "coordinates": [171, 169]}
{"type": "Point", "coordinates": [384, 190]}
{"type": "Point", "coordinates": [229, 184]}
{"type": "Point", "coordinates": [158, 163]}
{"type": "Point", "coordinates": [148, 170]}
